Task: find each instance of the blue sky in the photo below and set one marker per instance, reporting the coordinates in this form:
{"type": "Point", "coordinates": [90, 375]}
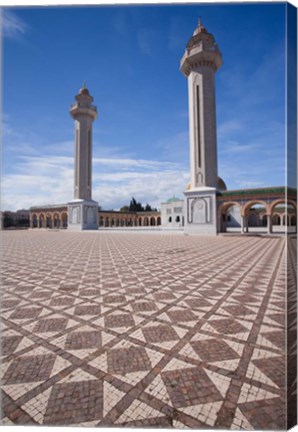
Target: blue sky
{"type": "Point", "coordinates": [129, 56]}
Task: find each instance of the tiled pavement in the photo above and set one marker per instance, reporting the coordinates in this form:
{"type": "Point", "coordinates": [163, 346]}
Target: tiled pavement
{"type": "Point", "coordinates": [136, 329]}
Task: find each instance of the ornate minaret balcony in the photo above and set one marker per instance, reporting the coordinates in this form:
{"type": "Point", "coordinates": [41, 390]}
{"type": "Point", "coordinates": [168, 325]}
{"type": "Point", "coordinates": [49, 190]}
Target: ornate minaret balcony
{"type": "Point", "coordinates": [201, 50]}
{"type": "Point", "coordinates": [83, 104]}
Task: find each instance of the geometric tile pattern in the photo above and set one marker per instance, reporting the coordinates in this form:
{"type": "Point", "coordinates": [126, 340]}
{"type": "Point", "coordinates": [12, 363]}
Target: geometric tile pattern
{"type": "Point", "coordinates": [144, 329]}
{"type": "Point", "coordinates": [74, 403]}
{"type": "Point", "coordinates": [29, 368]}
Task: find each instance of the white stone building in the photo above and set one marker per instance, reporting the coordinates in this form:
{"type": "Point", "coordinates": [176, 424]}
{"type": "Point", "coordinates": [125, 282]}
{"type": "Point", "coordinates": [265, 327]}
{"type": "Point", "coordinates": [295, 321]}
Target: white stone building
{"type": "Point", "coordinates": [172, 213]}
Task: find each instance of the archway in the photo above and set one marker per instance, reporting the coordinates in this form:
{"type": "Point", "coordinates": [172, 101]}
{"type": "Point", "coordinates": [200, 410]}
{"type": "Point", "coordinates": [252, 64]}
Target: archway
{"type": "Point", "coordinates": [276, 219]}
{"type": "Point", "coordinates": [256, 217]}
{"type": "Point", "coordinates": [158, 220]}
{"type": "Point", "coordinates": [284, 217]}
{"type": "Point", "coordinates": [34, 221]}
{"type": "Point", "coordinates": [49, 220]}
{"type": "Point", "coordinates": [64, 217]}
{"type": "Point", "coordinates": [42, 220]}
{"type": "Point", "coordinates": [229, 217]}
{"type": "Point", "coordinates": [146, 221]}
{"type": "Point", "coordinates": [56, 220]}
{"type": "Point", "coordinates": [152, 221]}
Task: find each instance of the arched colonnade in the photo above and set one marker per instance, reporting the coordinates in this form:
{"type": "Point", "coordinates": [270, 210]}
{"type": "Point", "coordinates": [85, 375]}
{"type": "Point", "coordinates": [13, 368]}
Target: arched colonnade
{"type": "Point", "coordinates": [118, 220]}
{"type": "Point", "coordinates": [50, 219]}
{"type": "Point", "coordinates": [58, 218]}
{"type": "Point", "coordinates": [270, 216]}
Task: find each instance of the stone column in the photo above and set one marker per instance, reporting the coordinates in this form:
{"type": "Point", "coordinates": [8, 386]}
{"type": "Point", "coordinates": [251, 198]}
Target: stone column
{"type": "Point", "coordinates": [269, 223]}
{"type": "Point", "coordinates": [244, 224]}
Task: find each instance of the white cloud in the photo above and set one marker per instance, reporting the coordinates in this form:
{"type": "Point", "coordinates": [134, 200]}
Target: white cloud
{"type": "Point", "coordinates": [237, 147]}
{"type": "Point", "coordinates": [123, 163]}
{"type": "Point", "coordinates": [41, 180]}
{"type": "Point", "coordinates": [153, 188]}
{"type": "Point", "coordinates": [228, 127]}
{"type": "Point", "coordinates": [12, 26]}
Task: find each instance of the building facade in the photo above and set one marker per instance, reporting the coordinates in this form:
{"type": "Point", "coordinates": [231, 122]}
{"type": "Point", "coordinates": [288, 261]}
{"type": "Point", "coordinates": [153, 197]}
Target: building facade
{"type": "Point", "coordinates": [172, 213]}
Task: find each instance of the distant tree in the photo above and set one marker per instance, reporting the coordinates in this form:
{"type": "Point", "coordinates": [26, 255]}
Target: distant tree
{"type": "Point", "coordinates": [124, 209]}
{"type": "Point", "coordinates": [135, 206]}
{"type": "Point", "coordinates": [149, 208]}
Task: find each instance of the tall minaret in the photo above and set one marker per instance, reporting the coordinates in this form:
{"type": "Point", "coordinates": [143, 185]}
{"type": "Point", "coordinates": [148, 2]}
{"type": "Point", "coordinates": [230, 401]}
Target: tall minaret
{"type": "Point", "coordinates": [84, 113]}
{"type": "Point", "coordinates": [201, 60]}
{"type": "Point", "coordinates": [82, 211]}
{"type": "Point", "coordinates": [199, 63]}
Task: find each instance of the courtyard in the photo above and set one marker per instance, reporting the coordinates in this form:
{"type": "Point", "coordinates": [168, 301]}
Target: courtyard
{"type": "Point", "coordinates": [143, 329]}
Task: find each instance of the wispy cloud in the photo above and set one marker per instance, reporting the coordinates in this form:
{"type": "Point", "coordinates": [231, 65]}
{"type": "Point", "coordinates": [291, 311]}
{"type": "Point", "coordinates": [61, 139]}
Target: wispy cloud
{"type": "Point", "coordinates": [123, 163]}
{"type": "Point", "coordinates": [147, 40]}
{"type": "Point", "coordinates": [46, 179]}
{"type": "Point", "coordinates": [238, 147]}
{"type": "Point", "coordinates": [152, 187]}
{"type": "Point", "coordinates": [229, 126]}
{"type": "Point", "coordinates": [13, 27]}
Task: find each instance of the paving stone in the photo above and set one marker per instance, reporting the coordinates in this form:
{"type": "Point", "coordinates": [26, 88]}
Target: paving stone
{"type": "Point", "coordinates": [124, 360]}
{"type": "Point", "coordinates": [190, 386]}
{"type": "Point", "coordinates": [76, 402]}
{"type": "Point", "coordinates": [119, 320]}
{"type": "Point", "coordinates": [144, 330]}
{"type": "Point", "coordinates": [50, 325]}
{"type": "Point", "coordinates": [227, 326]}
{"type": "Point", "coordinates": [160, 333]}
{"type": "Point", "coordinates": [87, 310]}
{"type": "Point", "coordinates": [29, 368]}
{"type": "Point", "coordinates": [83, 340]}
{"type": "Point", "coordinates": [9, 344]}
{"type": "Point", "coordinates": [213, 350]}
{"type": "Point", "coordinates": [26, 313]}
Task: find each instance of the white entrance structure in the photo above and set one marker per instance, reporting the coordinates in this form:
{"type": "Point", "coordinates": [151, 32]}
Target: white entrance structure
{"type": "Point", "coordinates": [199, 63]}
{"type": "Point", "coordinates": [82, 210]}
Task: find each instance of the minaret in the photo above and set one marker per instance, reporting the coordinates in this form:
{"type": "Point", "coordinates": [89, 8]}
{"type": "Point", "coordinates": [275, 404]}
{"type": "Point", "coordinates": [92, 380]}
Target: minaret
{"type": "Point", "coordinates": [82, 211]}
{"type": "Point", "coordinates": [199, 64]}
{"type": "Point", "coordinates": [84, 113]}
